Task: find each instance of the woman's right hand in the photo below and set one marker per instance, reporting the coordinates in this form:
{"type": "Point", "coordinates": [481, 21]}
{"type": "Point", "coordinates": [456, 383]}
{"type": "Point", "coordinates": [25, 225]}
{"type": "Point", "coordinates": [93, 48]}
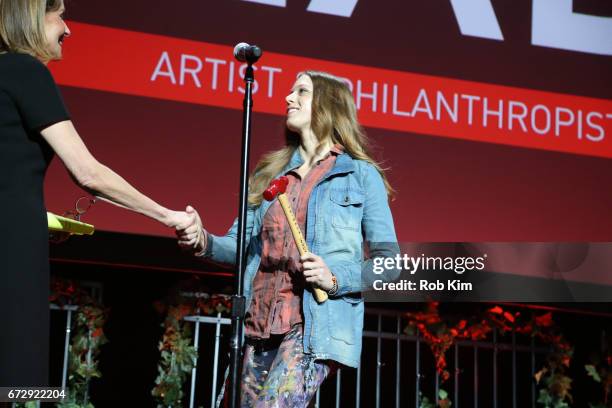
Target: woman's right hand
{"type": "Point", "coordinates": [191, 236]}
{"type": "Point", "coordinates": [177, 219]}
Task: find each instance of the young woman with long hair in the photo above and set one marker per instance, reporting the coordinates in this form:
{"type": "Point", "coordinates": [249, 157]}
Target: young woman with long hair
{"type": "Point", "coordinates": [340, 197]}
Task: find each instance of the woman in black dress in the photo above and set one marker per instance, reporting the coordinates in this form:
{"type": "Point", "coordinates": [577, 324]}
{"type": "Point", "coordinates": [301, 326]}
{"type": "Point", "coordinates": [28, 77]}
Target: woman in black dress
{"type": "Point", "coordinates": [34, 124]}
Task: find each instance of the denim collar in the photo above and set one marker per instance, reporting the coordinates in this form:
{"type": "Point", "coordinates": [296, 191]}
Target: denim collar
{"type": "Point", "coordinates": [344, 164]}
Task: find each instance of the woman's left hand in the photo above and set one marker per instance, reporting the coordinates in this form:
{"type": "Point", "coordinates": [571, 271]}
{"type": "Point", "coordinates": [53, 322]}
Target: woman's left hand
{"type": "Point", "coordinates": [316, 271]}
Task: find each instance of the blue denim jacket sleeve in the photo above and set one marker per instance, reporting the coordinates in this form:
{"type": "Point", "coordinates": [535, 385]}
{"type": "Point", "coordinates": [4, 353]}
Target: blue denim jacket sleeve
{"type": "Point", "coordinates": [222, 249]}
{"type": "Point", "coordinates": [379, 235]}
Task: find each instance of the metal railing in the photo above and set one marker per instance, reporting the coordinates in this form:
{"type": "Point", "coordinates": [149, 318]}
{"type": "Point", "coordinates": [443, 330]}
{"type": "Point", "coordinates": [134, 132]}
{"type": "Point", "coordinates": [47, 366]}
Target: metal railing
{"type": "Point", "coordinates": [402, 380]}
{"type": "Point", "coordinates": [69, 309]}
{"type": "Point", "coordinates": [217, 322]}
{"type": "Point", "coordinates": [384, 347]}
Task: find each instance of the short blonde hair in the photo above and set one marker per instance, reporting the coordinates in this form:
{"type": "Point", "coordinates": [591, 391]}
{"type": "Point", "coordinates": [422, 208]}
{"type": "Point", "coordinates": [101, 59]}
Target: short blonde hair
{"type": "Point", "coordinates": [22, 27]}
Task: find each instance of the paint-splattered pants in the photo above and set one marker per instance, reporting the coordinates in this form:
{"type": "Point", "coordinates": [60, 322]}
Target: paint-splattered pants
{"type": "Point", "coordinates": [281, 376]}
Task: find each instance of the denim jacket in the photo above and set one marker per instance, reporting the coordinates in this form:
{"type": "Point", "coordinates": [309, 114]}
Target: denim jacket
{"type": "Point", "coordinates": [349, 205]}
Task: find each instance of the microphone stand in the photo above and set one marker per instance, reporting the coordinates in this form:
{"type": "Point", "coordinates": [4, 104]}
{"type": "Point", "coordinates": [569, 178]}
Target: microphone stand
{"type": "Point", "coordinates": [238, 300]}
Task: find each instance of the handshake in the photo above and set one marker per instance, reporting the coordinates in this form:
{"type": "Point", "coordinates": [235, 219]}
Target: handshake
{"type": "Point", "coordinates": [189, 229]}
{"type": "Point", "coordinates": [193, 239]}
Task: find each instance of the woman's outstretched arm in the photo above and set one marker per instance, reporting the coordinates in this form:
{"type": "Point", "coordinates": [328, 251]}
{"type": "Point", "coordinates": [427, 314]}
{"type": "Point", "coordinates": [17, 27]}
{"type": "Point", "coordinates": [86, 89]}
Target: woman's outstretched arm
{"type": "Point", "coordinates": [103, 182]}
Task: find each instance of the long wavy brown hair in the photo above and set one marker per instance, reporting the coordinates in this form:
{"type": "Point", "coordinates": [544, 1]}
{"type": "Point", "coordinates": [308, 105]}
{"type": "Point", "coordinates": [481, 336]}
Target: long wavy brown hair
{"type": "Point", "coordinates": [334, 117]}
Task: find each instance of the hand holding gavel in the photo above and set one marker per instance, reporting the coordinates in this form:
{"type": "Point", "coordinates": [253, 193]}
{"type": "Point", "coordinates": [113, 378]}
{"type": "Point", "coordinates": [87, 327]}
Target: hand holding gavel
{"type": "Point", "coordinates": [277, 188]}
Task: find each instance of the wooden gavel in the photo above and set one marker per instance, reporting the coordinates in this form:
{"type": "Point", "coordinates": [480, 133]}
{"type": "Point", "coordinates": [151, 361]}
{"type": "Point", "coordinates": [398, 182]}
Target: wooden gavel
{"type": "Point", "coordinates": [276, 188]}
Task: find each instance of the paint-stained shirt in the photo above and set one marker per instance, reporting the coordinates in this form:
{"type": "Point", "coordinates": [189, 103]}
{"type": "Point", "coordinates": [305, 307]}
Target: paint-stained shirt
{"type": "Point", "coordinates": [279, 283]}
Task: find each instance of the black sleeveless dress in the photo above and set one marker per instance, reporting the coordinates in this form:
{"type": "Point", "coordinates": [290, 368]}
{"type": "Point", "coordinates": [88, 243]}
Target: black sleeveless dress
{"type": "Point", "coordinates": [29, 102]}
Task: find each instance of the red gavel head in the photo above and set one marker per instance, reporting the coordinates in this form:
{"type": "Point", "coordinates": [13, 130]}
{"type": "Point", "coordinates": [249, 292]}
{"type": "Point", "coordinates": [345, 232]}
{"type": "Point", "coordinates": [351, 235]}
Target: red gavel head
{"type": "Point", "coordinates": [277, 186]}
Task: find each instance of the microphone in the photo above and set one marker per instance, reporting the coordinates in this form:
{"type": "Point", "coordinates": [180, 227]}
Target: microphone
{"type": "Point", "coordinates": [244, 52]}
